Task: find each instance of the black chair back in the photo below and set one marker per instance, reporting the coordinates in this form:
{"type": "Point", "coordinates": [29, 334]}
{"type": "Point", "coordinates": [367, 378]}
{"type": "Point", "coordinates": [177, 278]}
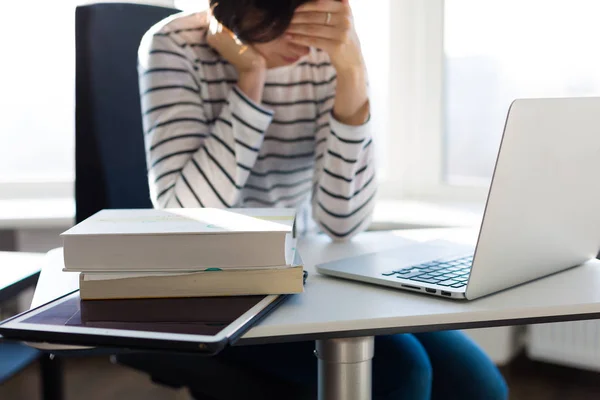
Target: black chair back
{"type": "Point", "coordinates": [110, 164]}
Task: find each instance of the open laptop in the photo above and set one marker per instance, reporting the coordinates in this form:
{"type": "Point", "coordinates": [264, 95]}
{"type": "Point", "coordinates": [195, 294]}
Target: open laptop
{"type": "Point", "coordinates": [542, 213]}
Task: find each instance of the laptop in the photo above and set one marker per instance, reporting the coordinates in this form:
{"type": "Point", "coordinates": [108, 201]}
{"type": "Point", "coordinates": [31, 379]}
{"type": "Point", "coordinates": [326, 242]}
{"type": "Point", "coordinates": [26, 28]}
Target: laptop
{"type": "Point", "coordinates": [542, 213]}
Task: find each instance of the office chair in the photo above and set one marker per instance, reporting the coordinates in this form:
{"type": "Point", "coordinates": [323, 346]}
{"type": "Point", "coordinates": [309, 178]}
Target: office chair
{"type": "Point", "coordinates": [110, 164]}
{"type": "Point", "coordinates": [15, 358]}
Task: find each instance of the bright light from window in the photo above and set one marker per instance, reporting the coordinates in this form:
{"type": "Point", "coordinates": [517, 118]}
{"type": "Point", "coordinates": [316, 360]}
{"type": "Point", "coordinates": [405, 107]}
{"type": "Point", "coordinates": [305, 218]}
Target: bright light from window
{"type": "Point", "coordinates": [37, 95]}
{"type": "Point", "coordinates": [497, 51]}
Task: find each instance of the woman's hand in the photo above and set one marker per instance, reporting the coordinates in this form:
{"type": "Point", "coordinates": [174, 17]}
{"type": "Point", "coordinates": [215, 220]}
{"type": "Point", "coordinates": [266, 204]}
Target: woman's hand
{"type": "Point", "coordinates": [329, 26]}
{"type": "Point", "coordinates": [249, 63]}
{"type": "Point", "coordinates": [242, 57]}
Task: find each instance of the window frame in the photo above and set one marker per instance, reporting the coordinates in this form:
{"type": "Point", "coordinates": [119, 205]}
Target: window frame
{"type": "Point", "coordinates": [37, 189]}
{"type": "Point", "coordinates": [416, 136]}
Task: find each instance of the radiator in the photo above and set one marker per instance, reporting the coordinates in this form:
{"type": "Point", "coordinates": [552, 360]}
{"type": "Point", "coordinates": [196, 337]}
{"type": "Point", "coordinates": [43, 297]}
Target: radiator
{"type": "Point", "coordinates": [574, 344]}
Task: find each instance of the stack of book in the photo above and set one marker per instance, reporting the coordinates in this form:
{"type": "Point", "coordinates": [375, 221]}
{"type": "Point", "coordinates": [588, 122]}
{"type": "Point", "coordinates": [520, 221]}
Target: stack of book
{"type": "Point", "coordinates": [174, 253]}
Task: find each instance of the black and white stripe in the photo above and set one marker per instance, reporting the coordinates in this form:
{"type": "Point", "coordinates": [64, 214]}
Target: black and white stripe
{"type": "Point", "coordinates": [209, 145]}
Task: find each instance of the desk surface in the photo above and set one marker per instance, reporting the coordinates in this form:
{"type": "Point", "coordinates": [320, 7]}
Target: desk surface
{"type": "Point", "coordinates": [18, 271]}
{"type": "Point", "coordinates": [332, 307]}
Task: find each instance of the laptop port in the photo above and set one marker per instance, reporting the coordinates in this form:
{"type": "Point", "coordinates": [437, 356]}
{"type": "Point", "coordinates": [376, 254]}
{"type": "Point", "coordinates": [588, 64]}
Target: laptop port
{"type": "Point", "coordinates": [444, 293]}
{"type": "Point", "coordinates": [428, 290]}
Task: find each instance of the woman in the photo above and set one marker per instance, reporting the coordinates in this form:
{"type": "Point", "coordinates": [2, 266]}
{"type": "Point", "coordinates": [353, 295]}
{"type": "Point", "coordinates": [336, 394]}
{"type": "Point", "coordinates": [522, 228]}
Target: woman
{"type": "Point", "coordinates": [277, 123]}
{"type": "Point", "coordinates": [264, 103]}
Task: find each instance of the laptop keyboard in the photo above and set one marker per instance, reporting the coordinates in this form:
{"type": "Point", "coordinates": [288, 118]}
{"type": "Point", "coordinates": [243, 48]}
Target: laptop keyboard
{"type": "Point", "coordinates": [451, 272]}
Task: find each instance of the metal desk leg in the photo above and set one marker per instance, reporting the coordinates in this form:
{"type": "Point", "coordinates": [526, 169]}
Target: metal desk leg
{"type": "Point", "coordinates": [345, 368]}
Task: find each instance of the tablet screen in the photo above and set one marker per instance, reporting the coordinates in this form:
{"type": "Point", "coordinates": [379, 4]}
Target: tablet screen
{"type": "Point", "coordinates": [195, 316]}
{"type": "Point", "coordinates": [199, 322]}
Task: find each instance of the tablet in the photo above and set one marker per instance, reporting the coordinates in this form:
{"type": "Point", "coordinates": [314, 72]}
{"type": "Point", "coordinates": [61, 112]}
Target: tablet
{"type": "Point", "coordinates": [200, 325]}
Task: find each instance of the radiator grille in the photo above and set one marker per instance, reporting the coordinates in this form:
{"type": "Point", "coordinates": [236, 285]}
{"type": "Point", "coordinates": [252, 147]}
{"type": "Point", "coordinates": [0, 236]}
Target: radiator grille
{"type": "Point", "coordinates": [575, 344]}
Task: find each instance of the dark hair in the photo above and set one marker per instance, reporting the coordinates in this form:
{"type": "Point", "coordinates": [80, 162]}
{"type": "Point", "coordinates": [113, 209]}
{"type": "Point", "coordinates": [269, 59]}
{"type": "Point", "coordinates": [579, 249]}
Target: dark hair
{"type": "Point", "coordinates": [256, 21]}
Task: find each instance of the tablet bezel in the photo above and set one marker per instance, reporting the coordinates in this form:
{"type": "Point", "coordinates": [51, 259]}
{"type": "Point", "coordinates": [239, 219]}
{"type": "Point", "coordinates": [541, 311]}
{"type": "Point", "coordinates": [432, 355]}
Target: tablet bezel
{"type": "Point", "coordinates": [16, 329]}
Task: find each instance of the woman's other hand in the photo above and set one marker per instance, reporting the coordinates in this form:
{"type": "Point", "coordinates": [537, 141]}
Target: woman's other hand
{"type": "Point", "coordinates": [329, 26]}
{"type": "Point", "coordinates": [249, 63]}
{"type": "Point", "coordinates": [243, 57]}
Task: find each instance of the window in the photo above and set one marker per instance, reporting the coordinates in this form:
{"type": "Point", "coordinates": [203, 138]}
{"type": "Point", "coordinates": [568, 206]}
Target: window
{"type": "Point", "coordinates": [546, 52]}
{"type": "Point", "coordinates": [374, 32]}
{"type": "Point", "coordinates": [442, 75]}
{"type": "Point", "coordinates": [462, 63]}
{"type": "Point", "coordinates": [37, 99]}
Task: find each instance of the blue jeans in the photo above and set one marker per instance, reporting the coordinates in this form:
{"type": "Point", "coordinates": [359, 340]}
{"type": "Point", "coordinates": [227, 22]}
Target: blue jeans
{"type": "Point", "coordinates": [438, 365]}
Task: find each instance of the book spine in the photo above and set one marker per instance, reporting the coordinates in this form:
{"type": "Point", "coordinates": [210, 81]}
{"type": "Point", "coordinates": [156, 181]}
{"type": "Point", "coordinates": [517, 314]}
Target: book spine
{"type": "Point", "coordinates": [204, 284]}
{"type": "Point", "coordinates": [186, 252]}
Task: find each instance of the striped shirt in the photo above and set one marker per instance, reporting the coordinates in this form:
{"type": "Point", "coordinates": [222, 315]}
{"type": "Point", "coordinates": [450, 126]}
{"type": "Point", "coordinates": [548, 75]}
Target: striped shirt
{"type": "Point", "coordinates": [209, 145]}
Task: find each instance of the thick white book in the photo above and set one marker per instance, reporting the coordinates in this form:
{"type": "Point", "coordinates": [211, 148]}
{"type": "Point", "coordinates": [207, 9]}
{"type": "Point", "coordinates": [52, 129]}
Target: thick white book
{"type": "Point", "coordinates": [187, 239]}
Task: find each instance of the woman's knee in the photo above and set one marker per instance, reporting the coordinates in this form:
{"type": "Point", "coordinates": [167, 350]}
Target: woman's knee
{"type": "Point", "coordinates": [495, 388]}
{"type": "Point", "coordinates": [476, 376]}
{"type": "Point", "coordinates": [421, 376]}
{"type": "Point", "coordinates": [401, 368]}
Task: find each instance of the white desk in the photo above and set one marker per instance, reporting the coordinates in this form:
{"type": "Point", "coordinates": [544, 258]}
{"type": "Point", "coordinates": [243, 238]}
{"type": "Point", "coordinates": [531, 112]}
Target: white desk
{"type": "Point", "coordinates": [343, 316]}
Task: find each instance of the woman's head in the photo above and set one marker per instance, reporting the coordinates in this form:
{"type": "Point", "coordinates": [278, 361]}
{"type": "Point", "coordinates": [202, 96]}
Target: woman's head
{"type": "Point", "coordinates": [262, 24]}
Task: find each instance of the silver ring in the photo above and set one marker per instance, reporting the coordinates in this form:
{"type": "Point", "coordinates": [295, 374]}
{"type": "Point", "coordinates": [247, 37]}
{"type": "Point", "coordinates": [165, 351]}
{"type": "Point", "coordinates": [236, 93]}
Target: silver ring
{"type": "Point", "coordinates": [328, 20]}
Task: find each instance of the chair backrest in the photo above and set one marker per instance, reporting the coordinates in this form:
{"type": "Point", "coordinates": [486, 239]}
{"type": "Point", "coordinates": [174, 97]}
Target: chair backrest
{"type": "Point", "coordinates": [14, 357]}
{"type": "Point", "coordinates": [110, 164]}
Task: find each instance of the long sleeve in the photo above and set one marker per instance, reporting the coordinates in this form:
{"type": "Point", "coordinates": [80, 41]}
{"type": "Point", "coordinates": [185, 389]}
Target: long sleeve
{"type": "Point", "coordinates": [194, 160]}
{"type": "Point", "coordinates": [345, 184]}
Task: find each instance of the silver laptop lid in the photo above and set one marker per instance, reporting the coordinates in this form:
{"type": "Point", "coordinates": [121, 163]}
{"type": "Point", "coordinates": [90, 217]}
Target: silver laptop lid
{"type": "Point", "coordinates": [543, 209]}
